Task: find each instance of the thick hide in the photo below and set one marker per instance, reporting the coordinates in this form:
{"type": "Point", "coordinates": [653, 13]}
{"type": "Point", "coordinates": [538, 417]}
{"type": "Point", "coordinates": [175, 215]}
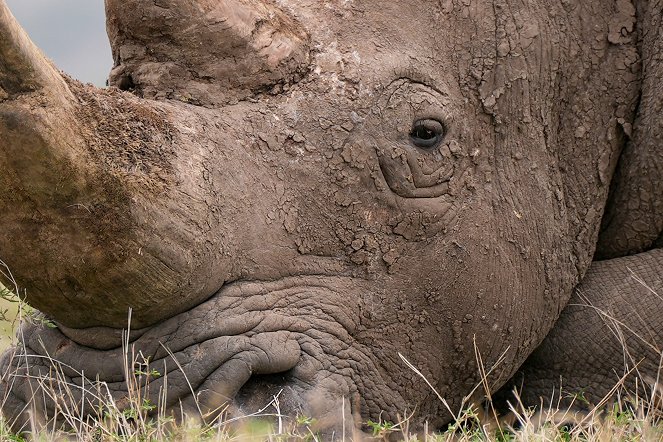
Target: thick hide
{"type": "Point", "coordinates": [287, 196]}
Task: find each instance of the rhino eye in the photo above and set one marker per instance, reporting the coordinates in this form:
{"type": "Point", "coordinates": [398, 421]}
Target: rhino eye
{"type": "Point", "coordinates": [427, 134]}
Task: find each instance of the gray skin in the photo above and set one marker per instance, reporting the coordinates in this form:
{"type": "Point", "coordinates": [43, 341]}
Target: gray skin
{"type": "Point", "coordinates": [255, 195]}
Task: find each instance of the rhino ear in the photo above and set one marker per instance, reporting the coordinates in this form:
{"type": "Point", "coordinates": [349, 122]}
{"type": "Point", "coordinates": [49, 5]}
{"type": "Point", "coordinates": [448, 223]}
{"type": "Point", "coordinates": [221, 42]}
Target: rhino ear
{"type": "Point", "coordinates": [206, 52]}
{"type": "Point", "coordinates": [633, 218]}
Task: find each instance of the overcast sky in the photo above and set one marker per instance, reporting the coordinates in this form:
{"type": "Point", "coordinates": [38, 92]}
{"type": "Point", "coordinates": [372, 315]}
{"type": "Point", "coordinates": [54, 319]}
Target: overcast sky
{"type": "Point", "coordinates": [72, 33]}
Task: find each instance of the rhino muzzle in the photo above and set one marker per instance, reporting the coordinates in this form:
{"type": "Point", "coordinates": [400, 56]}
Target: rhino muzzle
{"type": "Point", "coordinates": [231, 356]}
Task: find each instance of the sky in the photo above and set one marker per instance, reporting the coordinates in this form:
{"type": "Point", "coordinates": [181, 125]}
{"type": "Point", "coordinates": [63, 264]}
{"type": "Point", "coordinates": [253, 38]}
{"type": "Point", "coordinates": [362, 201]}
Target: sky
{"type": "Point", "coordinates": [72, 33]}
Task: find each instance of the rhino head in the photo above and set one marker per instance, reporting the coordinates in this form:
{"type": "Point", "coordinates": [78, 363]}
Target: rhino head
{"type": "Point", "coordinates": [289, 194]}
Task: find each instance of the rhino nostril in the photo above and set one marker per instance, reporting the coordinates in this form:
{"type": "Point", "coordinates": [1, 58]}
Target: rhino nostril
{"type": "Point", "coordinates": [269, 353]}
{"type": "Point", "coordinates": [260, 390]}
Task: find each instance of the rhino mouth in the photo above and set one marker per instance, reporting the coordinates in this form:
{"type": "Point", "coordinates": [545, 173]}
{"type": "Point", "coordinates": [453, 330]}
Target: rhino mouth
{"type": "Point", "coordinates": [251, 342]}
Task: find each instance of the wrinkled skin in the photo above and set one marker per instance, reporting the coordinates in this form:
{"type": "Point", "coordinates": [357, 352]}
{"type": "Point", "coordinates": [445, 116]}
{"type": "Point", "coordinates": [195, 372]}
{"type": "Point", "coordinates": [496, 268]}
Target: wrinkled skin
{"type": "Point", "coordinates": [260, 201]}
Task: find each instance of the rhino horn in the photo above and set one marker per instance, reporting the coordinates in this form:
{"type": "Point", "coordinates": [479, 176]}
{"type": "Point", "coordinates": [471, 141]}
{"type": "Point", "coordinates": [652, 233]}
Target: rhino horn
{"type": "Point", "coordinates": [72, 195]}
{"type": "Point", "coordinates": [23, 68]}
{"type": "Point", "coordinates": [230, 50]}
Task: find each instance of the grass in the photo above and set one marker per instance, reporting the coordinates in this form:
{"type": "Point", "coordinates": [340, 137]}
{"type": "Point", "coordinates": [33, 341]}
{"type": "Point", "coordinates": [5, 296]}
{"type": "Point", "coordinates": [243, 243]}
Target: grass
{"type": "Point", "coordinates": [623, 421]}
{"type": "Point", "coordinates": [630, 417]}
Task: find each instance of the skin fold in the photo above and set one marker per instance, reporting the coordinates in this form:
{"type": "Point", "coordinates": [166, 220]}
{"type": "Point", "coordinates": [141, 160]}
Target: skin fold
{"type": "Point", "coordinates": [285, 196]}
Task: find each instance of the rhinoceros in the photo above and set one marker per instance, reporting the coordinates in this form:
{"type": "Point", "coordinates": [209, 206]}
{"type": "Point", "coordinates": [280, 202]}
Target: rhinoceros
{"type": "Point", "coordinates": [359, 206]}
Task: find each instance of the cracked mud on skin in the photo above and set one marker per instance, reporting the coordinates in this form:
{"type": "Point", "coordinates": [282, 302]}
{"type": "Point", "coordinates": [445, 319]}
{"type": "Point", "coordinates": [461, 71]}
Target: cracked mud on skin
{"type": "Point", "coordinates": [288, 195]}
